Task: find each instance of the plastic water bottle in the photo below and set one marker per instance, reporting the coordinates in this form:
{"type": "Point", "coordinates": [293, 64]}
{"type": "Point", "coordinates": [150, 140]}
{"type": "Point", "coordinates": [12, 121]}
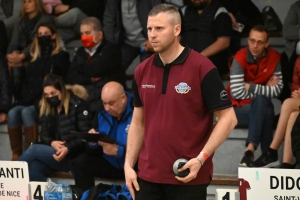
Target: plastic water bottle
{"type": "Point", "coordinates": [59, 191]}
{"type": "Point", "coordinates": [67, 192]}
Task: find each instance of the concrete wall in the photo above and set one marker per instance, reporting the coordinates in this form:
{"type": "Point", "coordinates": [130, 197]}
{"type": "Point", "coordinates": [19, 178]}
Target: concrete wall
{"type": "Point", "coordinates": [281, 7]}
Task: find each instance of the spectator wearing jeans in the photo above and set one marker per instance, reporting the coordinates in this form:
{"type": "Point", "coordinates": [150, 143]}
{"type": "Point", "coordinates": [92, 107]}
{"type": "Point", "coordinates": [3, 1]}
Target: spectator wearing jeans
{"type": "Point", "coordinates": [255, 78]}
{"type": "Point", "coordinates": [63, 109]}
{"type": "Point", "coordinates": [288, 114]}
{"type": "Point", "coordinates": [46, 57]}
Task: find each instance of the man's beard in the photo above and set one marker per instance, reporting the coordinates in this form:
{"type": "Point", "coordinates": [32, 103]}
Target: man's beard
{"type": "Point", "coordinates": [200, 6]}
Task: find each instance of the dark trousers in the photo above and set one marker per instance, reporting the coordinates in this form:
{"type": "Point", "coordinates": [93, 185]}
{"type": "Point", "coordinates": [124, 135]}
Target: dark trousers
{"type": "Point", "coordinates": [92, 164]}
{"type": "Point", "coordinates": [129, 53]}
{"type": "Point", "coordinates": [259, 117]}
{"type": "Point", "coordinates": [287, 69]}
{"type": "Point", "coordinates": [296, 139]}
{"type": "Point", "coordinates": [3, 38]}
{"type": "Point", "coordinates": [156, 191]}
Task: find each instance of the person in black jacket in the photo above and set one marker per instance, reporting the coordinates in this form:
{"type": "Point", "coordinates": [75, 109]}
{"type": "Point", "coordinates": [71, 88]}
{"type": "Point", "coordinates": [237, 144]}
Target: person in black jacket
{"type": "Point", "coordinates": [5, 89]}
{"type": "Point", "coordinates": [47, 57]}
{"type": "Point", "coordinates": [63, 109]}
{"type": "Point", "coordinates": [18, 51]}
{"type": "Point", "coordinates": [96, 63]}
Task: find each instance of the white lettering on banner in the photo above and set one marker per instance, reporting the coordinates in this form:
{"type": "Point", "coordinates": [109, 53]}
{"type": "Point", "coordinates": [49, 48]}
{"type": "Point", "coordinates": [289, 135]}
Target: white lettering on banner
{"type": "Point", "coordinates": [268, 184]}
{"type": "Point", "coordinates": [11, 173]}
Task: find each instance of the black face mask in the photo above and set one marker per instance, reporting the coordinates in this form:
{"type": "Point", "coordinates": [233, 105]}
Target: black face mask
{"type": "Point", "coordinates": [45, 40]}
{"type": "Point", "coordinates": [53, 101]}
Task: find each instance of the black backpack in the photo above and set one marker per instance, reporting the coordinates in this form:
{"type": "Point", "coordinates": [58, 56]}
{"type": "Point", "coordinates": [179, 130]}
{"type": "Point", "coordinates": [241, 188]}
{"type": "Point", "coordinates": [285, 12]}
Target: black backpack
{"type": "Point", "coordinates": [270, 19]}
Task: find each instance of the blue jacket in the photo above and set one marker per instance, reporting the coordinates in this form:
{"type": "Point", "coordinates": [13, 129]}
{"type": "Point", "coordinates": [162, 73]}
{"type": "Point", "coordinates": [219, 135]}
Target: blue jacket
{"type": "Point", "coordinates": [119, 132]}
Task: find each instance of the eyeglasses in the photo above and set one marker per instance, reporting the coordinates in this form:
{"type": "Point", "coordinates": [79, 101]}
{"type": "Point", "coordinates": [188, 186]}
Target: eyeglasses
{"type": "Point", "coordinates": [258, 42]}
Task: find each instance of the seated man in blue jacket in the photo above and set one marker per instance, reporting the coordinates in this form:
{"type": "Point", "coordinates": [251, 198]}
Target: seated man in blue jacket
{"type": "Point", "coordinates": [103, 159]}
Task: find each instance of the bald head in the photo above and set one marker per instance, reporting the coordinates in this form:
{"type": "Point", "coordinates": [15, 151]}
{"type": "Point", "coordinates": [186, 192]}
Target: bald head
{"type": "Point", "coordinates": [114, 99]}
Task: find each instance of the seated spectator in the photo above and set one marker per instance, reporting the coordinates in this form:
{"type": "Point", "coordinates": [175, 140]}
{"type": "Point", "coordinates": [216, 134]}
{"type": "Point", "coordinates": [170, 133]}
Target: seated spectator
{"type": "Point", "coordinates": [9, 15]}
{"type": "Point", "coordinates": [290, 33]}
{"type": "Point", "coordinates": [255, 78]}
{"type": "Point", "coordinates": [207, 28]}
{"type": "Point", "coordinates": [96, 63]}
{"type": "Point", "coordinates": [46, 57]}
{"type": "Point", "coordinates": [125, 24]}
{"type": "Point", "coordinates": [18, 51]}
{"type": "Point", "coordinates": [63, 109]}
{"type": "Point", "coordinates": [92, 8]}
{"type": "Point", "coordinates": [5, 89]}
{"type": "Point", "coordinates": [106, 160]}
{"type": "Point", "coordinates": [295, 139]}
{"type": "Point", "coordinates": [288, 114]}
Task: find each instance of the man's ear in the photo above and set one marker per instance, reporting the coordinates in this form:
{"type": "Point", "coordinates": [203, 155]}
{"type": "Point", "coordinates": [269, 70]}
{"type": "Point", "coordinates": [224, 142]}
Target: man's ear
{"type": "Point", "coordinates": [177, 29]}
{"type": "Point", "coordinates": [267, 44]}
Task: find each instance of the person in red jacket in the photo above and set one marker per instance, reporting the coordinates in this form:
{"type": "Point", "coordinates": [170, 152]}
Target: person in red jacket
{"type": "Point", "coordinates": [255, 78]}
{"type": "Point", "coordinates": [288, 115]}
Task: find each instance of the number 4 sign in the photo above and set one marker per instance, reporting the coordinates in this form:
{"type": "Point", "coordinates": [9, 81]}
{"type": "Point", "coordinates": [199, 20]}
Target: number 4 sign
{"type": "Point", "coordinates": [227, 194]}
{"type": "Point", "coordinates": [37, 190]}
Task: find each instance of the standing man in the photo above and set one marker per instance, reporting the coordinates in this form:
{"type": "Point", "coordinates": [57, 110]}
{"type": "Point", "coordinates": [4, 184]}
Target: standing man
{"type": "Point", "coordinates": [207, 28]}
{"type": "Point", "coordinates": [176, 93]}
{"type": "Point", "coordinates": [255, 78]}
{"type": "Point", "coordinates": [125, 24]}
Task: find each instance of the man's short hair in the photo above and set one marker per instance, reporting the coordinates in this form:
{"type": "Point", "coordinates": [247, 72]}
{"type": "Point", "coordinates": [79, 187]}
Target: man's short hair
{"type": "Point", "coordinates": [94, 21]}
{"type": "Point", "coordinates": [166, 8]}
{"type": "Point", "coordinates": [260, 28]}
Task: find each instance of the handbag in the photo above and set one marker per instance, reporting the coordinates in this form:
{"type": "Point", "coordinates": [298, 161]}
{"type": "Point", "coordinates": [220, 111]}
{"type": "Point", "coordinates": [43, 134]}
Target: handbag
{"type": "Point", "coordinates": [270, 19]}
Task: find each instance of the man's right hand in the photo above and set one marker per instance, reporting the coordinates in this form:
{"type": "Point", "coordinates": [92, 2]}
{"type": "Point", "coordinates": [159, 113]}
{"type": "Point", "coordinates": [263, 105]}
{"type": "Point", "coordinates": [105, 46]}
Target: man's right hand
{"type": "Point", "coordinates": [57, 144]}
{"type": "Point", "coordinates": [131, 180]}
{"type": "Point", "coordinates": [273, 81]}
{"type": "Point", "coordinates": [93, 131]}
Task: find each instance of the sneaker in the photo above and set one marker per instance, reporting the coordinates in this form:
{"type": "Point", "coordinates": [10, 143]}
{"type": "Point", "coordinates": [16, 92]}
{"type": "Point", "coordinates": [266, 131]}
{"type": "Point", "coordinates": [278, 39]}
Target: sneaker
{"type": "Point", "coordinates": [286, 166]}
{"type": "Point", "coordinates": [266, 160]}
{"type": "Point", "coordinates": [247, 158]}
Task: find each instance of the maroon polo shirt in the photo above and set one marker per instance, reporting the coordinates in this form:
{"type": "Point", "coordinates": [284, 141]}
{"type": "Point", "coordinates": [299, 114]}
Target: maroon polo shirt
{"type": "Point", "coordinates": [178, 99]}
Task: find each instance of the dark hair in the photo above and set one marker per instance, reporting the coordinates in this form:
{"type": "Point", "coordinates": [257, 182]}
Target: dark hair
{"type": "Point", "coordinates": [56, 82]}
{"type": "Point", "coordinates": [260, 28]}
{"type": "Point", "coordinates": [49, 25]}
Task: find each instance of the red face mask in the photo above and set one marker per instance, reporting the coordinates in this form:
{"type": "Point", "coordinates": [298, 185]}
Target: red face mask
{"type": "Point", "coordinates": [88, 41]}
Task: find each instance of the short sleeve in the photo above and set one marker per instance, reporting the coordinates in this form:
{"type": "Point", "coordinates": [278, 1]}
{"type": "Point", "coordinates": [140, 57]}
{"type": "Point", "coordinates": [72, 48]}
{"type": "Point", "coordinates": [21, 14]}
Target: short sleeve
{"type": "Point", "coordinates": [136, 96]}
{"type": "Point", "coordinates": [223, 25]}
{"type": "Point", "coordinates": [213, 92]}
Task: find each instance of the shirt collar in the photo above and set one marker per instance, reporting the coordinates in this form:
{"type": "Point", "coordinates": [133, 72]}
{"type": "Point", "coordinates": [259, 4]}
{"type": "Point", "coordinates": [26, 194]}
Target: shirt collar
{"type": "Point", "coordinates": [93, 51]}
{"type": "Point", "coordinates": [180, 59]}
{"type": "Point", "coordinates": [251, 58]}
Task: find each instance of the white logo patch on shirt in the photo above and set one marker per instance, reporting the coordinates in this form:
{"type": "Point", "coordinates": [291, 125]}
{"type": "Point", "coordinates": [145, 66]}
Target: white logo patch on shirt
{"type": "Point", "coordinates": [223, 95]}
{"type": "Point", "coordinates": [85, 112]}
{"type": "Point", "coordinates": [182, 88]}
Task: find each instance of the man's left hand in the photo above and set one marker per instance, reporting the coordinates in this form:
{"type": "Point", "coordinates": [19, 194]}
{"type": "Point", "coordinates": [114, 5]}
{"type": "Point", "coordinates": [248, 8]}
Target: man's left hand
{"type": "Point", "coordinates": [194, 165]}
{"type": "Point", "coordinates": [60, 154]}
{"type": "Point", "coordinates": [109, 149]}
{"type": "Point", "coordinates": [148, 46]}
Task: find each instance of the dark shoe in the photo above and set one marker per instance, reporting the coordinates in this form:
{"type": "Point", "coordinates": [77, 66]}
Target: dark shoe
{"type": "Point", "coordinates": [297, 166]}
{"type": "Point", "coordinates": [266, 160]}
{"type": "Point", "coordinates": [286, 166]}
{"type": "Point", "coordinates": [247, 159]}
